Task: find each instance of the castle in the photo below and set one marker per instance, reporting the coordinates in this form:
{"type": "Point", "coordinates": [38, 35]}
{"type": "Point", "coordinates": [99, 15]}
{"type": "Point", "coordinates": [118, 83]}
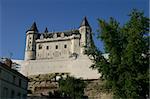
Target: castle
{"type": "Point", "coordinates": [59, 52]}
{"type": "Point", "coordinates": [58, 44]}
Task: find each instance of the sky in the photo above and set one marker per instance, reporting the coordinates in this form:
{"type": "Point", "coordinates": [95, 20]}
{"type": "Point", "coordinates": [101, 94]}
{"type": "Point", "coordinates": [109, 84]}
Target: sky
{"type": "Point", "coordinates": [17, 16]}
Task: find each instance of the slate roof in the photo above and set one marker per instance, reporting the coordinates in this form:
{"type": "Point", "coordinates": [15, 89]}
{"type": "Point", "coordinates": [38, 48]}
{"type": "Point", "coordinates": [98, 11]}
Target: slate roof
{"type": "Point", "coordinates": [84, 22]}
{"type": "Point", "coordinates": [46, 30]}
{"type": "Point", "coordinates": [33, 27]}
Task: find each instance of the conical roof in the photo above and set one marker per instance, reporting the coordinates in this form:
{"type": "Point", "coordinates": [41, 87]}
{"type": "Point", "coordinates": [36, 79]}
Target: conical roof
{"type": "Point", "coordinates": [84, 22]}
{"type": "Point", "coordinates": [33, 27]}
{"type": "Point", "coordinates": [46, 30]}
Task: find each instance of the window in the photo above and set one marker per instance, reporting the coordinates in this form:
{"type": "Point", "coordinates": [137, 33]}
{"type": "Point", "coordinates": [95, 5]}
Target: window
{"type": "Point", "coordinates": [5, 92]}
{"type": "Point", "coordinates": [14, 79]}
{"type": "Point", "coordinates": [47, 47]}
{"type": "Point", "coordinates": [62, 35]}
{"type": "Point", "coordinates": [12, 94]}
{"type": "Point", "coordinates": [56, 46]}
{"type": "Point", "coordinates": [19, 82]}
{"type": "Point", "coordinates": [65, 46]}
{"type": "Point", "coordinates": [0, 70]}
{"type": "Point", "coordinates": [19, 95]}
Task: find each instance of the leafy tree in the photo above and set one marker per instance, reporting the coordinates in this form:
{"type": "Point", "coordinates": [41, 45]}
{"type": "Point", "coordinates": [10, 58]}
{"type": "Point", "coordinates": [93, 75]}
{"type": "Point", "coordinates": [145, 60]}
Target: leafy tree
{"type": "Point", "coordinates": [127, 70]}
{"type": "Point", "coordinates": [72, 87]}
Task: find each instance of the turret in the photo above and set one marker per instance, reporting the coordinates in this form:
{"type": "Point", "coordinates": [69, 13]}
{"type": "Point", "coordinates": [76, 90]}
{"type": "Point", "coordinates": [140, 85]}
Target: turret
{"type": "Point", "coordinates": [46, 30]}
{"type": "Point", "coordinates": [85, 31]}
{"type": "Point", "coordinates": [31, 36]}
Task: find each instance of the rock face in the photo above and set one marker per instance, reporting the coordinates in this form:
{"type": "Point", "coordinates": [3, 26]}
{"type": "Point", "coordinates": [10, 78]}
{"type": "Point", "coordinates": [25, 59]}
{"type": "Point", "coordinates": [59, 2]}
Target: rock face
{"type": "Point", "coordinates": [42, 85]}
{"type": "Point", "coordinates": [94, 90]}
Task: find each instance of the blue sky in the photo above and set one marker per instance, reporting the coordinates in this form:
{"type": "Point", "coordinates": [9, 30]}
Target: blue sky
{"type": "Point", "coordinates": [16, 16]}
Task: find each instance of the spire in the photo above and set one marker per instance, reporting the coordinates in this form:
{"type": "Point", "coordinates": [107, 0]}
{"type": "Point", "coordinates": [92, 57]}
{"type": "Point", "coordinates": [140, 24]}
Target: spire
{"type": "Point", "coordinates": [33, 27]}
{"type": "Point", "coordinates": [46, 30]}
{"type": "Point", "coordinates": [84, 22]}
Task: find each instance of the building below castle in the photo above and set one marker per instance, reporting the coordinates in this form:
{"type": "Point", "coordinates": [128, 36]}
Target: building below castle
{"type": "Point", "coordinates": [13, 85]}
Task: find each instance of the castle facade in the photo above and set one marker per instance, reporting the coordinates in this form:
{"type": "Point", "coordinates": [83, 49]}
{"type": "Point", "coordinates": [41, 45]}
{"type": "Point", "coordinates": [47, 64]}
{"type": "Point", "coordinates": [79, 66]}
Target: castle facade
{"type": "Point", "coordinates": [56, 45]}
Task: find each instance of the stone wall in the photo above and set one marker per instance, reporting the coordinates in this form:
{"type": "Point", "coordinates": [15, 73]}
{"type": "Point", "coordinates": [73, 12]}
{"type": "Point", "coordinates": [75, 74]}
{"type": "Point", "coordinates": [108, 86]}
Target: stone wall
{"type": "Point", "coordinates": [49, 50]}
{"type": "Point", "coordinates": [60, 47]}
{"type": "Point", "coordinates": [41, 85]}
{"type": "Point", "coordinates": [78, 66]}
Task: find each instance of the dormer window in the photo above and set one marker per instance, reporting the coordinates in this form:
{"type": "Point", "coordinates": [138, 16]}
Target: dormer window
{"type": "Point", "coordinates": [62, 35]}
{"type": "Point", "coordinates": [55, 35]}
{"type": "Point", "coordinates": [41, 37]}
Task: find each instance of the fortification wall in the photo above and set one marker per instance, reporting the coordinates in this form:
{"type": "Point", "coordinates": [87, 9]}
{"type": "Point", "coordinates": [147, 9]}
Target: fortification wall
{"type": "Point", "coordinates": [78, 67]}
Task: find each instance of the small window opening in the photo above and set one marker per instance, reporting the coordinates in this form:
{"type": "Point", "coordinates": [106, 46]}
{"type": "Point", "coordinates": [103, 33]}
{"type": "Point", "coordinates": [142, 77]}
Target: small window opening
{"type": "Point", "coordinates": [14, 79]}
{"type": "Point", "coordinates": [65, 46]}
{"type": "Point", "coordinates": [19, 82]}
{"type": "Point", "coordinates": [47, 47]}
{"type": "Point", "coordinates": [56, 46]}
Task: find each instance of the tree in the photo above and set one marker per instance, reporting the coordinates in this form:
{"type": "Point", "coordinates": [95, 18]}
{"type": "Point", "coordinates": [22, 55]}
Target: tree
{"type": "Point", "coordinates": [72, 87]}
{"type": "Point", "coordinates": [127, 70]}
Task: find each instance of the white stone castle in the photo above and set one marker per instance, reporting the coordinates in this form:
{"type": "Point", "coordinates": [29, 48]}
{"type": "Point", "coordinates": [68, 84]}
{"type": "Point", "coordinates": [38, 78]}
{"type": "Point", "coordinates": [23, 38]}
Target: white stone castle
{"type": "Point", "coordinates": [59, 52]}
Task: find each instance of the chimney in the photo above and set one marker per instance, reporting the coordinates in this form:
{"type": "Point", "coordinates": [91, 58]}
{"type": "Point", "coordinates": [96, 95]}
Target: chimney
{"type": "Point", "coordinates": [8, 62]}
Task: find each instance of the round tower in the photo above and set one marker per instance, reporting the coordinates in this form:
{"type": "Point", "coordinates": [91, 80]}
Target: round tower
{"type": "Point", "coordinates": [85, 31]}
{"type": "Point", "coordinates": [31, 36]}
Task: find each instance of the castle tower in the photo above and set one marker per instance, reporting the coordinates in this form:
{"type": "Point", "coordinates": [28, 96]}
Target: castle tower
{"type": "Point", "coordinates": [31, 36]}
{"type": "Point", "coordinates": [85, 31]}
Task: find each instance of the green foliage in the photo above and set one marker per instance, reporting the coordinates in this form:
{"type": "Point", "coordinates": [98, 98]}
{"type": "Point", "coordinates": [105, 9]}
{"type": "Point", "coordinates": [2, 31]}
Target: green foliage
{"type": "Point", "coordinates": [72, 87]}
{"type": "Point", "coordinates": [127, 70]}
